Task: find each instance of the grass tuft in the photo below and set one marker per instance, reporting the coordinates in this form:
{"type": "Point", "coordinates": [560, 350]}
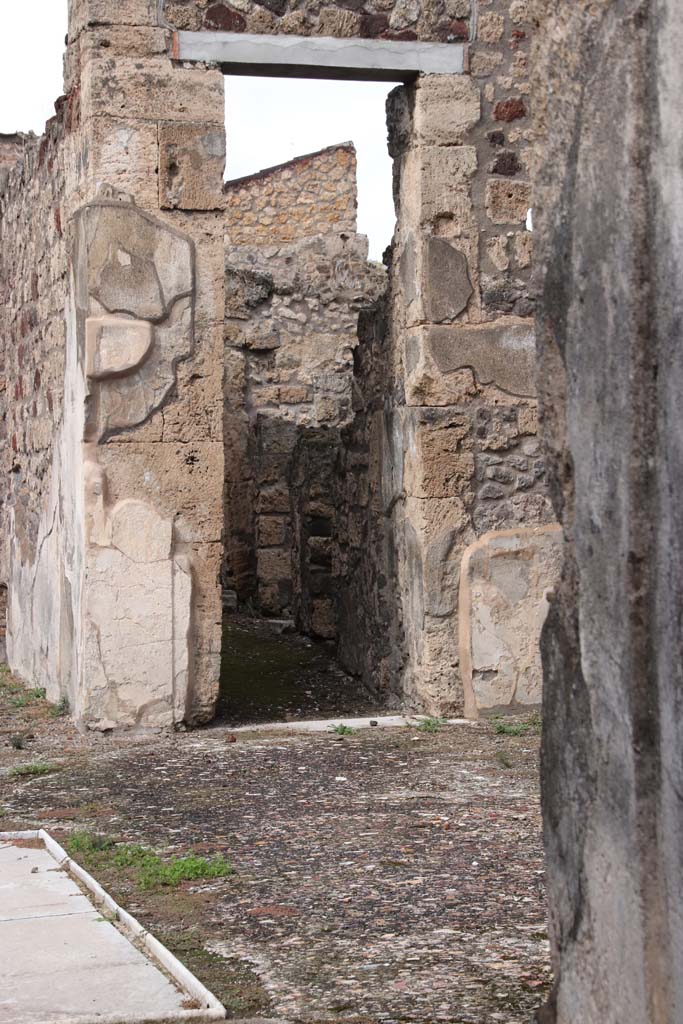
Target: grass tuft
{"type": "Point", "coordinates": [502, 728]}
{"type": "Point", "coordinates": [60, 709]}
{"type": "Point", "coordinates": [431, 724]}
{"type": "Point", "coordinates": [150, 870]}
{"type": "Point", "coordinates": [34, 769]}
{"type": "Point", "coordinates": [342, 730]}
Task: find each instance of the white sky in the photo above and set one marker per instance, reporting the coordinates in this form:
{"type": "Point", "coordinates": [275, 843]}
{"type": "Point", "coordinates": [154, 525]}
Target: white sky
{"type": "Point", "coordinates": [269, 120]}
{"type": "Point", "coordinates": [31, 48]}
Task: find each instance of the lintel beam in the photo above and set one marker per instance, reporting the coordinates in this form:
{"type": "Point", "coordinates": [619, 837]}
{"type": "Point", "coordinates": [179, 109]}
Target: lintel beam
{"type": "Point", "coordinates": [284, 56]}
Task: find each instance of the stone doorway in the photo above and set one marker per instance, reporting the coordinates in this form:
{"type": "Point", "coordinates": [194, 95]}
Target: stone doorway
{"type": "Point", "coordinates": [297, 278]}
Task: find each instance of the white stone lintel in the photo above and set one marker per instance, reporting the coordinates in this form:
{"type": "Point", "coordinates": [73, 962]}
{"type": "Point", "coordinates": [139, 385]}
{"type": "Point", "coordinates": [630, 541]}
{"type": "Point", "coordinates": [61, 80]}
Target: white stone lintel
{"type": "Point", "coordinates": [319, 56]}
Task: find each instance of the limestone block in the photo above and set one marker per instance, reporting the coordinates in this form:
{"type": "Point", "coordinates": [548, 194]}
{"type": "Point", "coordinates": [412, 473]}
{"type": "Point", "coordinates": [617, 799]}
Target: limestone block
{"type": "Point", "coordinates": [502, 354]}
{"type": "Point", "coordinates": [128, 150]}
{"type": "Point", "coordinates": [125, 41]}
{"type": "Point", "coordinates": [507, 202]}
{"type": "Point", "coordinates": [490, 27]}
{"type": "Point", "coordinates": [115, 346]}
{"type": "Point", "coordinates": [143, 90]}
{"type": "Point", "coordinates": [191, 166]}
{"type": "Point", "coordinates": [439, 462]}
{"type": "Point", "coordinates": [447, 107]}
{"type": "Point", "coordinates": [436, 181]}
{"type": "Point", "coordinates": [181, 480]}
{"type": "Point", "coordinates": [86, 13]}
{"type": "Point", "coordinates": [505, 581]}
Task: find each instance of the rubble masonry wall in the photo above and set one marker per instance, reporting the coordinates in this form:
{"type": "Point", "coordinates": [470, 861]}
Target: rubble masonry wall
{"type": "Point", "coordinates": [292, 307]}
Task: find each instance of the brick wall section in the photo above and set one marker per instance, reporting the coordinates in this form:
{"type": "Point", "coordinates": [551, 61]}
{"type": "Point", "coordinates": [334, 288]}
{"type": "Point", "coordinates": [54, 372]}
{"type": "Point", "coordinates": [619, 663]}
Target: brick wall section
{"type": "Point", "coordinates": [311, 195]}
{"type": "Point", "coordinates": [436, 20]}
{"type": "Point", "coordinates": [33, 289]}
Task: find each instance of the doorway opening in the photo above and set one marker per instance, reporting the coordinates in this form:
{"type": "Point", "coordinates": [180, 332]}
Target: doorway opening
{"type": "Point", "coordinates": [309, 213]}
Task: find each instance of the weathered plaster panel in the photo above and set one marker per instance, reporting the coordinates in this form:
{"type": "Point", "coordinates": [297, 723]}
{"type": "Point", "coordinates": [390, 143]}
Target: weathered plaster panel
{"type": "Point", "coordinates": [506, 581]}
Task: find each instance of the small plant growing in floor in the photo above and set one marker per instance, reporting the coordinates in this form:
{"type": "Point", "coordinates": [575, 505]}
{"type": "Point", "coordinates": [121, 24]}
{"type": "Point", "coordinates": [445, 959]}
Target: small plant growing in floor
{"type": "Point", "coordinates": [502, 728]}
{"type": "Point", "coordinates": [504, 759]}
{"type": "Point", "coordinates": [150, 870]}
{"type": "Point", "coordinates": [60, 709]}
{"type": "Point", "coordinates": [23, 698]}
{"type": "Point", "coordinates": [431, 724]}
{"type": "Point", "coordinates": [342, 730]}
{"type": "Point", "coordinates": [34, 769]}
{"type": "Point", "coordinates": [88, 843]}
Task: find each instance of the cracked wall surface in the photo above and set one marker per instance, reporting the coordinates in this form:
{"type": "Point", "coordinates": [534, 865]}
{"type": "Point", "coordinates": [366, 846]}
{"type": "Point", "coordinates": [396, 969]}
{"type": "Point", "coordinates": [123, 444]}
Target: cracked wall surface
{"type": "Point", "coordinates": [610, 242]}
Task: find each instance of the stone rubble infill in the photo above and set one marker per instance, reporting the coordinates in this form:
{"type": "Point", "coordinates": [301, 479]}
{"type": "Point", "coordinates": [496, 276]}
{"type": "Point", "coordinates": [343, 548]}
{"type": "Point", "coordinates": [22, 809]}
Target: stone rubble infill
{"type": "Point", "coordinates": [329, 724]}
{"type": "Point", "coordinates": [63, 962]}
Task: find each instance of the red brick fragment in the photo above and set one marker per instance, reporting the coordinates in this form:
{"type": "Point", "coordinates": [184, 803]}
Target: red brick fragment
{"type": "Point", "coordinates": [509, 110]}
{"type": "Point", "coordinates": [224, 19]}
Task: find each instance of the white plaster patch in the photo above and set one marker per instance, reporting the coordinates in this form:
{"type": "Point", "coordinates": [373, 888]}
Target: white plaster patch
{"type": "Point", "coordinates": [506, 577]}
{"type": "Point", "coordinates": [140, 533]}
{"type": "Point", "coordinates": [115, 345]}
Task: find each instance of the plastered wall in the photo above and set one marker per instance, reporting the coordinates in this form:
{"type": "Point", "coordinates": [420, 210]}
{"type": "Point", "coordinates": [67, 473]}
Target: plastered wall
{"type": "Point", "coordinates": [40, 511]}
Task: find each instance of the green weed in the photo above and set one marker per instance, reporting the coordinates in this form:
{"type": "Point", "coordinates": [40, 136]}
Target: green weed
{"type": "Point", "coordinates": [431, 724]}
{"type": "Point", "coordinates": [34, 769]}
{"type": "Point", "coordinates": [26, 697]}
{"type": "Point", "coordinates": [150, 870]}
{"type": "Point", "coordinates": [342, 730]}
{"type": "Point", "coordinates": [60, 709]}
{"type": "Point", "coordinates": [502, 728]}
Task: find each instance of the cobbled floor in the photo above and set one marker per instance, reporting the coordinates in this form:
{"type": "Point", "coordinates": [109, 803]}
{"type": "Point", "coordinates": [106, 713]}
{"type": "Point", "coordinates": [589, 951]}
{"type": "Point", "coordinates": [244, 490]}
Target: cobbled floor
{"type": "Point", "coordinates": [388, 875]}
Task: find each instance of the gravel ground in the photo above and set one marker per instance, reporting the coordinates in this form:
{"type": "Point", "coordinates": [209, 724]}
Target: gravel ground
{"type": "Point", "coordinates": [388, 875]}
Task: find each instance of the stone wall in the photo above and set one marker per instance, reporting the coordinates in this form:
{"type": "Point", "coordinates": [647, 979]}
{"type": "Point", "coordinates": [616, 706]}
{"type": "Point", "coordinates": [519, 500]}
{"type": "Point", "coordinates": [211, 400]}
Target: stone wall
{"type": "Point", "coordinates": [113, 336]}
{"type": "Point", "coordinates": [437, 20]}
{"type": "Point", "coordinates": [609, 217]}
{"type": "Point", "coordinates": [452, 420]}
{"type": "Point", "coordinates": [12, 150]}
{"type": "Point", "coordinates": [38, 513]}
{"type": "Point", "coordinates": [291, 331]}
{"type": "Point", "coordinates": [311, 195]}
{"type": "Point", "coordinates": [430, 422]}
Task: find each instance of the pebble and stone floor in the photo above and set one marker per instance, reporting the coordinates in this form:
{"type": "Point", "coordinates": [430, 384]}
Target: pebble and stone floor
{"type": "Point", "coordinates": [388, 875]}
